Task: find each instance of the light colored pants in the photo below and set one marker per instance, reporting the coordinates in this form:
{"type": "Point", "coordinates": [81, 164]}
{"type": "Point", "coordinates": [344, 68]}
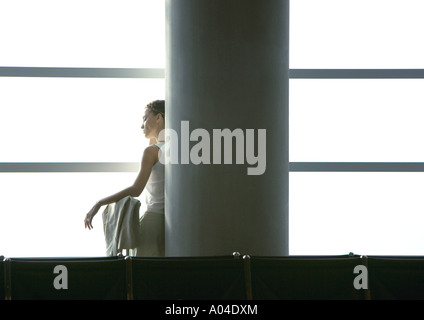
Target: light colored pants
{"type": "Point", "coordinates": [152, 225]}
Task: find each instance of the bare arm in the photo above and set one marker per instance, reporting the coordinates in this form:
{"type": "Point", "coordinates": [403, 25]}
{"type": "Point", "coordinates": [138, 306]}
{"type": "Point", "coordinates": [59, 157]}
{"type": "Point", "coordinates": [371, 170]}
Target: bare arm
{"type": "Point", "coordinates": [150, 157]}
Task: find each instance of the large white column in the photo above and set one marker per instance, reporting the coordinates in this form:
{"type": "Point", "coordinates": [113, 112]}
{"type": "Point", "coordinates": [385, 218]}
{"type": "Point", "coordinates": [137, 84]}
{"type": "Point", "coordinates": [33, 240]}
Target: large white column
{"type": "Point", "coordinates": [227, 67]}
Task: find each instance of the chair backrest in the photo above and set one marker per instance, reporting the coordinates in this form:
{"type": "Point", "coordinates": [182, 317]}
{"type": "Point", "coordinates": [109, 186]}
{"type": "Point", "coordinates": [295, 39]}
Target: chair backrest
{"type": "Point", "coordinates": [305, 277]}
{"type": "Point", "coordinates": [396, 277]}
{"type": "Point", "coordinates": [211, 278]}
{"type": "Point", "coordinates": [67, 278]}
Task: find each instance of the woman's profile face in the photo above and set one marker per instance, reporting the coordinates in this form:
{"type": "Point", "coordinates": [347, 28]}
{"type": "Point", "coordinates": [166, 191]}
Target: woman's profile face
{"type": "Point", "coordinates": [149, 125]}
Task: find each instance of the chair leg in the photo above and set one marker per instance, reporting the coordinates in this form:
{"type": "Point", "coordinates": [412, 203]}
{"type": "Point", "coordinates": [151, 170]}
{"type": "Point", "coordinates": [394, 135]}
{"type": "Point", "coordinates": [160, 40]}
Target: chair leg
{"type": "Point", "coordinates": [247, 277]}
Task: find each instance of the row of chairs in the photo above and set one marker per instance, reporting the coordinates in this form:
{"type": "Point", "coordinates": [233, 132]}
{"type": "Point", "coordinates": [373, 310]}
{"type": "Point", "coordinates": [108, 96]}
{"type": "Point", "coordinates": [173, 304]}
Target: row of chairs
{"type": "Point", "coordinates": [230, 277]}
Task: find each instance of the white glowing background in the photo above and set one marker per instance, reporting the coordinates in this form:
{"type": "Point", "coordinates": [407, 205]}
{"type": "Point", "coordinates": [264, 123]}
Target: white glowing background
{"type": "Point", "coordinates": [82, 120]}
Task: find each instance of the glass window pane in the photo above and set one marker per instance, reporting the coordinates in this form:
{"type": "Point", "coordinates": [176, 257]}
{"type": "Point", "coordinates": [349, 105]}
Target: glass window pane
{"type": "Point", "coordinates": [74, 119]}
{"type": "Point", "coordinates": [356, 34]}
{"type": "Point", "coordinates": [80, 33]}
{"type": "Point", "coordinates": [43, 213]}
{"type": "Point", "coordinates": [364, 213]}
{"type": "Point", "coordinates": [356, 120]}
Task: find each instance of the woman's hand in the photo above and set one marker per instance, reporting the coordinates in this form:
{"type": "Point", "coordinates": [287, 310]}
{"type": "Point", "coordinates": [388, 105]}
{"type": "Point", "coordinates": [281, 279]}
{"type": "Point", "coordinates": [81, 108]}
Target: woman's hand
{"type": "Point", "coordinates": [90, 215]}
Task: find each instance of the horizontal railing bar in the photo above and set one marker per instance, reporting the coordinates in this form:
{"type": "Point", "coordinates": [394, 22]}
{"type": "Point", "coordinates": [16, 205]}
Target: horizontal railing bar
{"type": "Point", "coordinates": [82, 72]}
{"type": "Point", "coordinates": [160, 73]}
{"type": "Point", "coordinates": [356, 166]}
{"type": "Point", "coordinates": [356, 73]}
{"type": "Point", "coordinates": [69, 166]}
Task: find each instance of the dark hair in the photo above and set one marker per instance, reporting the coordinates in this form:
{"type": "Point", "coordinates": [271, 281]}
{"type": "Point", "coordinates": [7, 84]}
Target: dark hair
{"type": "Point", "coordinates": [157, 106]}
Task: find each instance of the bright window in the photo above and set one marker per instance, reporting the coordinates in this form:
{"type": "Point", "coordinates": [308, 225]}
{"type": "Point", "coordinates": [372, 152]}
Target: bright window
{"type": "Point", "coordinates": [82, 33]}
{"type": "Point", "coordinates": [365, 213]}
{"type": "Point", "coordinates": [98, 120]}
{"type": "Point", "coordinates": [43, 213]}
{"type": "Point", "coordinates": [356, 120]}
{"type": "Point", "coordinates": [346, 34]}
{"type": "Point", "coordinates": [368, 120]}
{"type": "Point", "coordinates": [73, 119]}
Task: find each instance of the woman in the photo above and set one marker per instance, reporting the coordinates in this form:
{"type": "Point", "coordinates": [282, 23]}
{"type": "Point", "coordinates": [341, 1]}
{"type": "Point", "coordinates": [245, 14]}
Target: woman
{"type": "Point", "coordinates": [151, 178]}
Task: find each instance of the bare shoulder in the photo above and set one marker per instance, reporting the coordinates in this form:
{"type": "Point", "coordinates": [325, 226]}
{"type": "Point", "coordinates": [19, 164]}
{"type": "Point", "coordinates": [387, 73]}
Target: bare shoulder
{"type": "Point", "coordinates": [151, 153]}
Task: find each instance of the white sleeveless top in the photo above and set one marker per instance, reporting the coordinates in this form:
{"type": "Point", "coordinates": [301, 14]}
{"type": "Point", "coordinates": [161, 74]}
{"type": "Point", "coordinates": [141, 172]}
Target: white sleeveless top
{"type": "Point", "coordinates": [155, 187]}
